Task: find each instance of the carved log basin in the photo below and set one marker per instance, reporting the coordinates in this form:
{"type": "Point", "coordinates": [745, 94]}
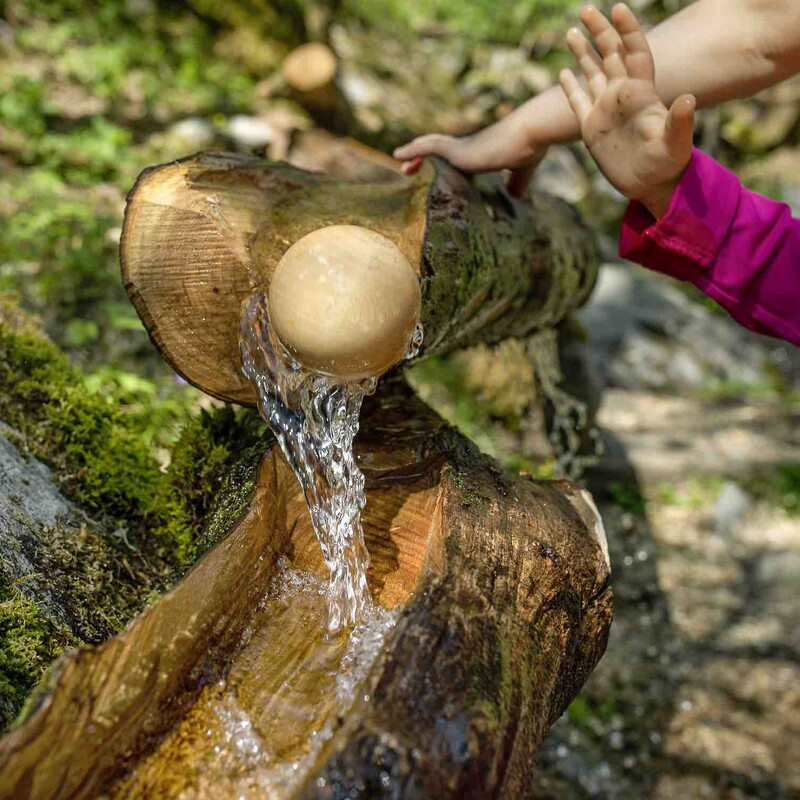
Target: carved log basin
{"type": "Point", "coordinates": [493, 608]}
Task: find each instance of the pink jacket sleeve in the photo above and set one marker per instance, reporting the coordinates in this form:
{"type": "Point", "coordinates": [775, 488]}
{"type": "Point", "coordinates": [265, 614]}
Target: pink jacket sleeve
{"type": "Point", "coordinates": [736, 246]}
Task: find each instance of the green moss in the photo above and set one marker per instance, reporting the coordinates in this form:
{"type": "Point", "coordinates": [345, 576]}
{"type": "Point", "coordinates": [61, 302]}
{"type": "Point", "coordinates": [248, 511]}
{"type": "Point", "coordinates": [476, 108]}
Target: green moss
{"type": "Point", "coordinates": [94, 448]}
{"type": "Point", "coordinates": [469, 497]}
{"type": "Point", "coordinates": [202, 469]}
{"type": "Point", "coordinates": [29, 642]}
{"type": "Point", "coordinates": [97, 446]}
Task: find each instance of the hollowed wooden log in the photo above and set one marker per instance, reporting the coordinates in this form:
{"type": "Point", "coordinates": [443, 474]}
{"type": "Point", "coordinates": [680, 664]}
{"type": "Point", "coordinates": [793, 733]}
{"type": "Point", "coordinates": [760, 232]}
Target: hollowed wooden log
{"type": "Point", "coordinates": [200, 233]}
{"type": "Point", "coordinates": [501, 584]}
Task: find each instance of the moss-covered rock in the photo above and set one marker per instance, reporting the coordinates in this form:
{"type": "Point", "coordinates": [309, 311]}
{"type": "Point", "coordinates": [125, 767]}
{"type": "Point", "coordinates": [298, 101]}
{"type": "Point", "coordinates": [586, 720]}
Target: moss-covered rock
{"type": "Point", "coordinates": [118, 527]}
{"type": "Point", "coordinates": [29, 641]}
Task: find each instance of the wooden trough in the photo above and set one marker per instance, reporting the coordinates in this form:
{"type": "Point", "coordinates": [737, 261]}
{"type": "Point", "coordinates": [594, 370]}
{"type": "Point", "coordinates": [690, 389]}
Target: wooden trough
{"type": "Point", "coordinates": [226, 686]}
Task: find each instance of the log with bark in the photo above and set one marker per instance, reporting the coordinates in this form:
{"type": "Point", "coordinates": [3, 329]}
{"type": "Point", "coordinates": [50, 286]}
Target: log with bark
{"type": "Point", "coordinates": [201, 233]}
{"type": "Point", "coordinates": [499, 583]}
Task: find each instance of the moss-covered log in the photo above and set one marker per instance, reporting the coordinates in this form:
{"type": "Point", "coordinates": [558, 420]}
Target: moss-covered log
{"type": "Point", "coordinates": [199, 234]}
{"type": "Point", "coordinates": [501, 586]}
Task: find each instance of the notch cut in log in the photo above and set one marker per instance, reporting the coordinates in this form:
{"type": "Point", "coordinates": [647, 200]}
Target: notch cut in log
{"type": "Point", "coordinates": [201, 233]}
{"type": "Point", "coordinates": [501, 587]}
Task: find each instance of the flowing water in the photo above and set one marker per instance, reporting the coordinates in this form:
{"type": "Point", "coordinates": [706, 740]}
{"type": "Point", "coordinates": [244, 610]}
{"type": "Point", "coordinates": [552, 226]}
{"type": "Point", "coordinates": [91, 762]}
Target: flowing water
{"type": "Point", "coordinates": [260, 729]}
{"type": "Point", "coordinates": [315, 419]}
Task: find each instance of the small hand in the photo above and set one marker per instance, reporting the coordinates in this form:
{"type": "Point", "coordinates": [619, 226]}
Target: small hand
{"type": "Point", "coordinates": [639, 145]}
{"type": "Point", "coordinates": [484, 151]}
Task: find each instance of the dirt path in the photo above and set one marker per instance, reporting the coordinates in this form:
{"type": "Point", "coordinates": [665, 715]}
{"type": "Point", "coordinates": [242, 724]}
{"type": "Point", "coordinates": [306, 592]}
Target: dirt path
{"type": "Point", "coordinates": [698, 695]}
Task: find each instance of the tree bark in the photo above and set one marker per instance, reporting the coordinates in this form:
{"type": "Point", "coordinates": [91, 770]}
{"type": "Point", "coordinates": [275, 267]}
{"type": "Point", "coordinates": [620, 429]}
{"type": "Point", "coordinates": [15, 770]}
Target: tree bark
{"type": "Point", "coordinates": [501, 586]}
{"type": "Point", "coordinates": [200, 234]}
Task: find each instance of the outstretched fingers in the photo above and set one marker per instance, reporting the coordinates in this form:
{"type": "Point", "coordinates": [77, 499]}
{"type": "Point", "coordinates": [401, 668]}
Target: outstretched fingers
{"type": "Point", "coordinates": [606, 38]}
{"type": "Point", "coordinates": [636, 51]}
{"type": "Point", "coordinates": [578, 97]}
{"type": "Point", "coordinates": [679, 127]}
{"type": "Point", "coordinates": [588, 60]}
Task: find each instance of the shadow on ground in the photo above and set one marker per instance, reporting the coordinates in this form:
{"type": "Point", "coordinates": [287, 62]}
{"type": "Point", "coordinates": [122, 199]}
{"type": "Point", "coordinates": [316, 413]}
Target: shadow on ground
{"type": "Point", "coordinates": [698, 695]}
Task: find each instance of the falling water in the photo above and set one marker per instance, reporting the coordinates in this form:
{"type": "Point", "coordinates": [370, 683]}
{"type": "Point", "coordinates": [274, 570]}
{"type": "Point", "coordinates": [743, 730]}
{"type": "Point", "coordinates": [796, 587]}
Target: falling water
{"type": "Point", "coordinates": [315, 419]}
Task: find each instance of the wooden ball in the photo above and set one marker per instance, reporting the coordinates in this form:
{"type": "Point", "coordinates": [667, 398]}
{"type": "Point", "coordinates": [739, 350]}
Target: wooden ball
{"type": "Point", "coordinates": [344, 302]}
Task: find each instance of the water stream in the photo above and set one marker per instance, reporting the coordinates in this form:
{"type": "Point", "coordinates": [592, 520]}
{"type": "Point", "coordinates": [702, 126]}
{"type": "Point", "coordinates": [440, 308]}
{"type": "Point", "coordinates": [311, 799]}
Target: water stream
{"type": "Point", "coordinates": [315, 419]}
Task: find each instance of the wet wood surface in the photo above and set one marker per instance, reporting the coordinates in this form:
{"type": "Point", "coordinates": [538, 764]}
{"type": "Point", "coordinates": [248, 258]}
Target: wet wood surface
{"type": "Point", "coordinates": [500, 589]}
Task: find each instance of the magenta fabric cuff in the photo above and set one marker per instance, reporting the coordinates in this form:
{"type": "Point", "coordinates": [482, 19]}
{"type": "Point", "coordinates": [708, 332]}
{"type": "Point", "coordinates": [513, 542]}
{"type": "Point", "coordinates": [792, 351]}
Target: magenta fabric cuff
{"type": "Point", "coordinates": [696, 224]}
{"type": "Point", "coordinates": [742, 249]}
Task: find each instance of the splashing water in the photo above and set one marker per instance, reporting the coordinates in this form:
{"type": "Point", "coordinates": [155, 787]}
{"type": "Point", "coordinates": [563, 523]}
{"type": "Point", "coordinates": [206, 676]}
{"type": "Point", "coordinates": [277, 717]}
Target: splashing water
{"type": "Point", "coordinates": [315, 419]}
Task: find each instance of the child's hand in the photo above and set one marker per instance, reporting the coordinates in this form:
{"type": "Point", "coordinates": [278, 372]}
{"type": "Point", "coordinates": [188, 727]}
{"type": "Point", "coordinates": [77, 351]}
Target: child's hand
{"type": "Point", "coordinates": [500, 146]}
{"type": "Point", "coordinates": [639, 145]}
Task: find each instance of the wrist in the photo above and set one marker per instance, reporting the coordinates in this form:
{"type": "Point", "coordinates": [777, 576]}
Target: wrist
{"type": "Point", "coordinates": [657, 200]}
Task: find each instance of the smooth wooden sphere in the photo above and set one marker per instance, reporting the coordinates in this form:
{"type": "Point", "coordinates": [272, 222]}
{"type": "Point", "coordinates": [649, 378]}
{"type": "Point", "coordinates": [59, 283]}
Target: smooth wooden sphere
{"type": "Point", "coordinates": [344, 301]}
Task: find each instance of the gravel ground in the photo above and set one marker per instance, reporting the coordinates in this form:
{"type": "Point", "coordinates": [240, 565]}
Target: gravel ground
{"type": "Point", "coordinates": [698, 695]}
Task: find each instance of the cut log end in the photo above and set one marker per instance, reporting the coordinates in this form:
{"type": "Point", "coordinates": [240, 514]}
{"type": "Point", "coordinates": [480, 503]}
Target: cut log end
{"type": "Point", "coordinates": [309, 67]}
{"type": "Point", "coordinates": [200, 234]}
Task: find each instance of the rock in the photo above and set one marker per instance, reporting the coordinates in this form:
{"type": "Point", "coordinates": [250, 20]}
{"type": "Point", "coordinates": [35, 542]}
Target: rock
{"type": "Point", "coordinates": [647, 333]}
{"type": "Point", "coordinates": [358, 88]}
{"type": "Point", "coordinates": [733, 502]}
{"type": "Point", "coordinates": [783, 566]}
{"type": "Point", "coordinates": [193, 133]}
{"type": "Point", "coordinates": [26, 488]}
{"type": "Point", "coordinates": [561, 174]}
{"type": "Point", "coordinates": [249, 132]}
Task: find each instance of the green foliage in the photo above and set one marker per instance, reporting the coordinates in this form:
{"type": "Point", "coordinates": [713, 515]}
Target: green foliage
{"type": "Point", "coordinates": [585, 712]}
{"type": "Point", "coordinates": [695, 491]}
{"type": "Point", "coordinates": [480, 20]}
{"type": "Point", "coordinates": [627, 496]}
{"type": "Point", "coordinates": [780, 486]}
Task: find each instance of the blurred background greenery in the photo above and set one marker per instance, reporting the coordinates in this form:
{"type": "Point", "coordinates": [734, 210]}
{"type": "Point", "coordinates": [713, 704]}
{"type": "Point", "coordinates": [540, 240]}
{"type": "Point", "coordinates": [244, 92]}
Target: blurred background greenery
{"type": "Point", "coordinates": [92, 93]}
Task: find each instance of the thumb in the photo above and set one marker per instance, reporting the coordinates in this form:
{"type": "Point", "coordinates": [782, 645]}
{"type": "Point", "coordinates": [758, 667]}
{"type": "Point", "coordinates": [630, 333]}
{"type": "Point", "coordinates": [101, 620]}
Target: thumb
{"type": "Point", "coordinates": [680, 124]}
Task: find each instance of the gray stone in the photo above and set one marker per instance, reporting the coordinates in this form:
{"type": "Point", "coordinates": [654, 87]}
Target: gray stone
{"type": "Point", "coordinates": [647, 333]}
{"type": "Point", "coordinates": [30, 503]}
{"type": "Point", "coordinates": [733, 502]}
{"type": "Point", "coordinates": [249, 132]}
{"type": "Point", "coordinates": [561, 174]}
{"type": "Point", "coordinates": [192, 133]}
